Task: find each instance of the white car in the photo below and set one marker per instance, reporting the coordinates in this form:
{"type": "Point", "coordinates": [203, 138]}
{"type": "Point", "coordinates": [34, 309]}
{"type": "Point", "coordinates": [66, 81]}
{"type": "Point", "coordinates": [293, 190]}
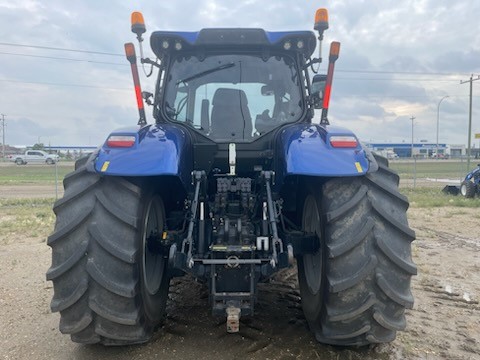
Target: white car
{"type": "Point", "coordinates": [35, 156]}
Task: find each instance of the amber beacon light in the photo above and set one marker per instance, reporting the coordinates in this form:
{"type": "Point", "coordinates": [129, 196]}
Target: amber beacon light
{"type": "Point", "coordinates": [138, 23]}
{"type": "Point", "coordinates": [321, 20]}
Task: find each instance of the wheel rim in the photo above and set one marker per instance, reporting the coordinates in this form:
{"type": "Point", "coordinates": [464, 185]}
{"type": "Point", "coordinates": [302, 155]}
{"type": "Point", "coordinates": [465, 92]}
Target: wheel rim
{"type": "Point", "coordinates": [153, 262]}
{"type": "Point", "coordinates": [463, 189]}
{"type": "Point", "coordinates": [312, 263]}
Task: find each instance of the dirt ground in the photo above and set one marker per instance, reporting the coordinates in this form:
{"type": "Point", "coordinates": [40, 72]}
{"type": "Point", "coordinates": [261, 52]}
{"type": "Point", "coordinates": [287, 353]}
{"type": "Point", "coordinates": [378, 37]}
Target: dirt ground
{"type": "Point", "coordinates": [444, 324]}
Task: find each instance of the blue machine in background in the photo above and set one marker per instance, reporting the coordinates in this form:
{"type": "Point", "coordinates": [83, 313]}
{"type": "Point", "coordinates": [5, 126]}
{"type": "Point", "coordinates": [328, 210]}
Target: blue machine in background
{"type": "Point", "coordinates": [470, 186]}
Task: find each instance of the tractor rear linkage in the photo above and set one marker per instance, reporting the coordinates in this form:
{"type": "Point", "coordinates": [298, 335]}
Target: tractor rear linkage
{"type": "Point", "coordinates": [233, 292]}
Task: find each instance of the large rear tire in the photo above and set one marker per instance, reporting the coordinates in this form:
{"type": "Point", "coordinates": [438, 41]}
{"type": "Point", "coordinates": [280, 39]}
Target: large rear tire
{"type": "Point", "coordinates": [109, 286]}
{"type": "Point", "coordinates": [356, 287]}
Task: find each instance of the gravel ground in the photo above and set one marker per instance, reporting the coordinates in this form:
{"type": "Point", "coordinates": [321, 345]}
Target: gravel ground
{"type": "Point", "coordinates": [444, 324]}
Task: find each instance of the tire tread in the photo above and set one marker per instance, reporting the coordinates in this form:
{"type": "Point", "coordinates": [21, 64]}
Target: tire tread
{"type": "Point", "coordinates": [369, 263]}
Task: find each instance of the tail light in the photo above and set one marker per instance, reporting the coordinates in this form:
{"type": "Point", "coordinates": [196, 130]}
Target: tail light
{"type": "Point", "coordinates": [343, 141]}
{"type": "Point", "coordinates": [121, 141]}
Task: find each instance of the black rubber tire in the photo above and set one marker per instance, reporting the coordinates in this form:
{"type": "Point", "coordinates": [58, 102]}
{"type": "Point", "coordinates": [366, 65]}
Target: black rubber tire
{"type": "Point", "coordinates": [97, 257]}
{"type": "Point", "coordinates": [50, 162]}
{"type": "Point", "coordinates": [19, 162]}
{"type": "Point", "coordinates": [366, 260]}
{"type": "Point", "coordinates": [468, 189]}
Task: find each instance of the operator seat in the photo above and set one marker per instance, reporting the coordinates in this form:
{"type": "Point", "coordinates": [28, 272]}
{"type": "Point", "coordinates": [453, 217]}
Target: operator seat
{"type": "Point", "coordinates": [230, 117]}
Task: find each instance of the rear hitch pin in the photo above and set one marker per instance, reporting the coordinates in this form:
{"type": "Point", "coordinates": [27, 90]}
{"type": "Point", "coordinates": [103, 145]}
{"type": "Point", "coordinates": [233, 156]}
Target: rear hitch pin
{"type": "Point", "coordinates": [233, 319]}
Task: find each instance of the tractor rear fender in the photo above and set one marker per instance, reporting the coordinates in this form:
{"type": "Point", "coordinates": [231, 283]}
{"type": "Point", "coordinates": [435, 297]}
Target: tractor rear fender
{"type": "Point", "coordinates": [152, 150]}
{"type": "Point", "coordinates": [325, 151]}
{"type": "Point", "coordinates": [474, 175]}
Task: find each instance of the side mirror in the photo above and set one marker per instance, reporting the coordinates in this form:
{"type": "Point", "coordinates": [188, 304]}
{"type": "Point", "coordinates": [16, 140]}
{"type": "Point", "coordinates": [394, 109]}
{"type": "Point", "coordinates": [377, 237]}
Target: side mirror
{"type": "Point", "coordinates": [318, 88]}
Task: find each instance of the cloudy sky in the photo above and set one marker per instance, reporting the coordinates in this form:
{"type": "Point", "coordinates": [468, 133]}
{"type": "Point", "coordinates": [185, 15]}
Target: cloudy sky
{"type": "Point", "coordinates": [398, 59]}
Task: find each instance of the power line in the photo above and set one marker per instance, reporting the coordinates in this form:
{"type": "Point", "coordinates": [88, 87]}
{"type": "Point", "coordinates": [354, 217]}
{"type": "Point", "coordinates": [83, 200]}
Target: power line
{"type": "Point", "coordinates": [128, 89]}
{"type": "Point", "coordinates": [59, 84]}
{"type": "Point", "coordinates": [61, 49]}
{"type": "Point", "coordinates": [63, 58]}
{"type": "Point", "coordinates": [399, 72]}
{"type": "Point", "coordinates": [366, 71]}
{"type": "Point", "coordinates": [396, 80]}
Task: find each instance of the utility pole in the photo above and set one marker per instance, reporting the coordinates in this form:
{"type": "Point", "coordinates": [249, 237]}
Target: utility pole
{"type": "Point", "coordinates": [412, 118]}
{"type": "Point", "coordinates": [3, 134]}
{"type": "Point", "coordinates": [470, 118]}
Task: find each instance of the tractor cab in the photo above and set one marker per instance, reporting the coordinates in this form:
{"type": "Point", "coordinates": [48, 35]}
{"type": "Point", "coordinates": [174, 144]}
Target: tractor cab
{"type": "Point", "coordinates": [233, 85]}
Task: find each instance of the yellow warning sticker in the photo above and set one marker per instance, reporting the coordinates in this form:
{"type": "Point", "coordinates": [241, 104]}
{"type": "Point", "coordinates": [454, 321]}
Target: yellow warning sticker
{"type": "Point", "coordinates": [359, 167]}
{"type": "Point", "coordinates": [105, 166]}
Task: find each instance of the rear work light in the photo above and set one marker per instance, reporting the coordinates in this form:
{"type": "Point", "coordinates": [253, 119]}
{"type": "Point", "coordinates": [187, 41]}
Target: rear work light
{"type": "Point", "coordinates": [121, 141]}
{"type": "Point", "coordinates": [343, 141]}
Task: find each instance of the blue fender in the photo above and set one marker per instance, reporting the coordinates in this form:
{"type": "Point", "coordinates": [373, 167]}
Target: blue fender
{"type": "Point", "coordinates": [307, 150]}
{"type": "Point", "coordinates": [158, 150]}
{"type": "Point", "coordinates": [474, 175]}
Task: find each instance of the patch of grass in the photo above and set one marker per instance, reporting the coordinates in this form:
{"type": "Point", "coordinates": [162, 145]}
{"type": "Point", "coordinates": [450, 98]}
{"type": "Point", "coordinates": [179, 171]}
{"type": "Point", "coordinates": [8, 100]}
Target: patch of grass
{"type": "Point", "coordinates": [20, 218]}
{"type": "Point", "coordinates": [431, 169]}
{"type": "Point", "coordinates": [26, 202]}
{"type": "Point", "coordinates": [30, 174]}
{"type": "Point", "coordinates": [424, 197]}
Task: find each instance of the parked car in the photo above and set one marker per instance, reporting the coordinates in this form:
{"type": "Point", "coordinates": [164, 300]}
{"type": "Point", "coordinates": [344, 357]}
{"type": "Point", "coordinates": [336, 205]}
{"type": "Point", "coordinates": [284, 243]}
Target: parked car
{"type": "Point", "coordinates": [35, 156]}
{"type": "Point", "coordinates": [439, 156]}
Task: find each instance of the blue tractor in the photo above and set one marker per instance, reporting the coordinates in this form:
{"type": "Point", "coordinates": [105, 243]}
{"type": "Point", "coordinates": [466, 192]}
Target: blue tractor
{"type": "Point", "coordinates": [470, 186]}
{"type": "Point", "coordinates": [232, 182]}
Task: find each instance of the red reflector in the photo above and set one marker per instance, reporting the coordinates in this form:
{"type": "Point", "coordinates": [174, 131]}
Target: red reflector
{"type": "Point", "coordinates": [343, 141]}
{"type": "Point", "coordinates": [122, 141]}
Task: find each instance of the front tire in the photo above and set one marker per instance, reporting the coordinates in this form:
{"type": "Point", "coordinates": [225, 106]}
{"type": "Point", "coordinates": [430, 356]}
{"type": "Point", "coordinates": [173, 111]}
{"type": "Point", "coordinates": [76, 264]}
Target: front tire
{"type": "Point", "coordinates": [468, 189]}
{"type": "Point", "coordinates": [100, 270]}
{"type": "Point", "coordinates": [366, 269]}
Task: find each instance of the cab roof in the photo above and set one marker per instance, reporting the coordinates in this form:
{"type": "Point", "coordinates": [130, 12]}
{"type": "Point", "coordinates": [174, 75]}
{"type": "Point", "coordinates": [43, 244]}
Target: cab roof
{"type": "Point", "coordinates": [244, 39]}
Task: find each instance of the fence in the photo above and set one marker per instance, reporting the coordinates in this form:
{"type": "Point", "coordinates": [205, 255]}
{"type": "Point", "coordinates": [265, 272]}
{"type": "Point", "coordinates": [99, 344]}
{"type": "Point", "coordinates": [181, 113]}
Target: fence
{"type": "Point", "coordinates": [431, 173]}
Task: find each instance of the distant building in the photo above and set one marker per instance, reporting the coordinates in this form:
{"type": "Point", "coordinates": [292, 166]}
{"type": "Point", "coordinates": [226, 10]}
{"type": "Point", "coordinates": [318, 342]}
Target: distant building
{"type": "Point", "coordinates": [456, 151]}
{"type": "Point", "coordinates": [420, 150]}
